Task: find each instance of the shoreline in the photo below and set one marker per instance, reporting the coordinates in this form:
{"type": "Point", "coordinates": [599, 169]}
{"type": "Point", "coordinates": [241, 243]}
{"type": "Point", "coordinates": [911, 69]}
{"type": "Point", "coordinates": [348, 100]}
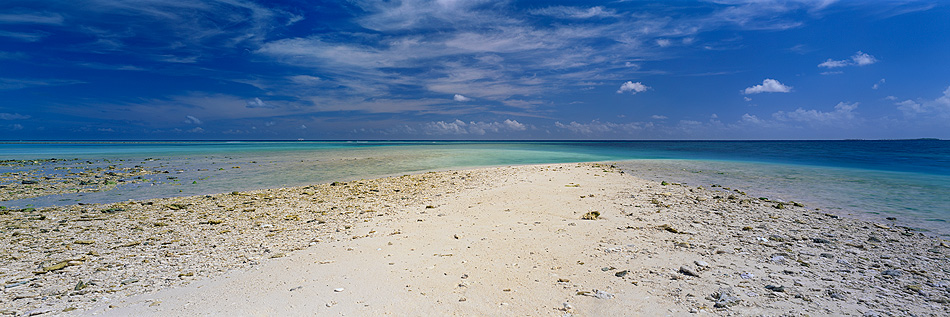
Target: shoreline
{"type": "Point", "coordinates": [669, 246]}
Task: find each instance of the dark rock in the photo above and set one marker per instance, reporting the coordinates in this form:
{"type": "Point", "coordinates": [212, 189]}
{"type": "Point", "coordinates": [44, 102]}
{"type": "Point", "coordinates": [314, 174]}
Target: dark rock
{"type": "Point", "coordinates": [621, 273]}
{"type": "Point", "coordinates": [820, 240]}
{"type": "Point", "coordinates": [780, 289]}
{"type": "Point", "coordinates": [591, 215]}
{"type": "Point", "coordinates": [29, 182]}
{"type": "Point", "coordinates": [827, 255]}
{"type": "Point", "coordinates": [874, 239]}
{"type": "Point", "coordinates": [894, 273]}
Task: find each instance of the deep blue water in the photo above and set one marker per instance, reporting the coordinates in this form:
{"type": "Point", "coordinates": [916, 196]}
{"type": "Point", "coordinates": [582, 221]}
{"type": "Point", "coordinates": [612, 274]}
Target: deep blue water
{"type": "Point", "coordinates": [909, 178]}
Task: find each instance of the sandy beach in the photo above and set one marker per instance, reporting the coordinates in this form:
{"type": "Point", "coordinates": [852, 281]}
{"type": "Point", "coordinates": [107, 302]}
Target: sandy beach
{"type": "Point", "coordinates": [564, 239]}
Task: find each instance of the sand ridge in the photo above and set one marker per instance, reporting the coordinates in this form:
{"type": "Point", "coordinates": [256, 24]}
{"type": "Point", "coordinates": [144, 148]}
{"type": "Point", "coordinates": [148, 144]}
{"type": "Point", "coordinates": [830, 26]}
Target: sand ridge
{"type": "Point", "coordinates": [512, 241]}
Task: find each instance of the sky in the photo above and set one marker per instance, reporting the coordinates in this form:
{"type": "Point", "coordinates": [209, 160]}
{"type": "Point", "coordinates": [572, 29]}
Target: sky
{"type": "Point", "coordinates": [473, 70]}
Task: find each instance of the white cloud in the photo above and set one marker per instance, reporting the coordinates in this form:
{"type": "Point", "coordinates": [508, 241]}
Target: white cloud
{"type": "Point", "coordinates": [192, 120]}
{"type": "Point", "coordinates": [862, 59]}
{"type": "Point", "coordinates": [197, 130]}
{"type": "Point", "coordinates": [597, 127]}
{"type": "Point", "coordinates": [658, 117]}
{"type": "Point", "coordinates": [31, 18]}
{"type": "Point", "coordinates": [14, 127]}
{"type": "Point", "coordinates": [878, 84]}
{"type": "Point", "coordinates": [632, 87]}
{"type": "Point", "coordinates": [858, 59]}
{"type": "Point", "coordinates": [258, 103]}
{"type": "Point", "coordinates": [937, 108]}
{"type": "Point", "coordinates": [768, 85]}
{"type": "Point", "coordinates": [832, 73]}
{"type": "Point", "coordinates": [751, 118]}
{"type": "Point", "coordinates": [461, 98]}
{"type": "Point", "coordinates": [663, 42]}
{"type": "Point", "coordinates": [13, 116]}
{"type": "Point", "coordinates": [105, 130]}
{"type": "Point", "coordinates": [459, 127]}
{"type": "Point", "coordinates": [305, 79]}
{"type": "Point", "coordinates": [834, 64]}
{"type": "Point", "coordinates": [303, 126]}
{"type": "Point", "coordinates": [909, 107]}
{"type": "Point", "coordinates": [842, 113]}
{"type": "Point", "coordinates": [747, 98]}
{"type": "Point", "coordinates": [575, 12]}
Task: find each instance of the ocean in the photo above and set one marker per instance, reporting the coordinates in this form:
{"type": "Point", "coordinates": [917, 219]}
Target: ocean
{"type": "Point", "coordinates": [904, 179]}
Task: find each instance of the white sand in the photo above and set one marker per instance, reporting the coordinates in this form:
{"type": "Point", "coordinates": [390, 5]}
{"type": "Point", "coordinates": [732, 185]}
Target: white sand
{"type": "Point", "coordinates": [512, 242]}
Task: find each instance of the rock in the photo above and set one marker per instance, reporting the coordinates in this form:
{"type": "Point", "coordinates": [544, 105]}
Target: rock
{"type": "Point", "coordinates": [129, 281]}
{"type": "Point", "coordinates": [602, 295]}
{"type": "Point", "coordinates": [723, 298]}
{"type": "Point", "coordinates": [874, 239]}
{"type": "Point", "coordinates": [746, 275]}
{"type": "Point", "coordinates": [701, 264]}
{"type": "Point", "coordinates": [820, 240]}
{"type": "Point", "coordinates": [337, 290]}
{"type": "Point", "coordinates": [687, 271]}
{"type": "Point", "coordinates": [668, 227]}
{"type": "Point", "coordinates": [835, 294]}
{"type": "Point", "coordinates": [780, 259]}
{"type": "Point", "coordinates": [593, 215]}
{"type": "Point", "coordinates": [567, 306]}
{"type": "Point", "coordinates": [827, 255]}
{"type": "Point", "coordinates": [563, 280]}
{"type": "Point", "coordinates": [894, 273]}
{"type": "Point", "coordinates": [780, 289]}
{"type": "Point", "coordinates": [621, 273]}
{"type": "Point", "coordinates": [29, 182]}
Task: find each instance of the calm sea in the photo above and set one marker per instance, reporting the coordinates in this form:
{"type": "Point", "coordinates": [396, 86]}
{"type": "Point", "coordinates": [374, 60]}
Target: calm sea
{"type": "Point", "coordinates": [907, 179]}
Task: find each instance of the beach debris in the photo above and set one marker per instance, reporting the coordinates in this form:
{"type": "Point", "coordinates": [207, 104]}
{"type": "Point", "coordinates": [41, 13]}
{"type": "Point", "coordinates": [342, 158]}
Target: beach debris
{"type": "Point", "coordinates": [593, 215]}
{"type": "Point", "coordinates": [129, 281]}
{"type": "Point", "coordinates": [596, 293]}
{"type": "Point", "coordinates": [688, 272]}
{"type": "Point", "coordinates": [567, 306]}
{"type": "Point", "coordinates": [723, 298]}
{"type": "Point", "coordinates": [668, 227]}
{"type": "Point", "coordinates": [338, 290]}
{"type": "Point", "coordinates": [60, 265]}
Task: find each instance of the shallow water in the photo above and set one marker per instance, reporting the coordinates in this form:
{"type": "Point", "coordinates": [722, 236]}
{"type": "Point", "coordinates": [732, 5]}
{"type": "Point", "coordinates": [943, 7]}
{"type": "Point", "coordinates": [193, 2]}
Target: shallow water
{"type": "Point", "coordinates": [906, 179]}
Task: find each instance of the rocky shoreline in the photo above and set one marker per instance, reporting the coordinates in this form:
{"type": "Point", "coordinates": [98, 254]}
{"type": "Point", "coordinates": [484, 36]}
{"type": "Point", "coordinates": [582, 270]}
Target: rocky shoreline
{"type": "Point", "coordinates": [672, 248]}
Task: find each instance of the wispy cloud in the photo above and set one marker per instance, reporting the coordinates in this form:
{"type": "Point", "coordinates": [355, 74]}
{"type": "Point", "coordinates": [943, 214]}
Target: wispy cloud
{"type": "Point", "coordinates": [842, 113]}
{"type": "Point", "coordinates": [13, 116]}
{"type": "Point", "coordinates": [31, 18]}
{"type": "Point", "coordinates": [576, 12]}
{"type": "Point", "coordinates": [459, 127]}
{"type": "Point", "coordinates": [461, 98]}
{"type": "Point", "coordinates": [192, 120]}
{"type": "Point", "coordinates": [858, 59]}
{"type": "Point", "coordinates": [768, 85]}
{"type": "Point", "coordinates": [14, 83]}
{"type": "Point", "coordinates": [937, 108]}
{"type": "Point", "coordinates": [878, 84]}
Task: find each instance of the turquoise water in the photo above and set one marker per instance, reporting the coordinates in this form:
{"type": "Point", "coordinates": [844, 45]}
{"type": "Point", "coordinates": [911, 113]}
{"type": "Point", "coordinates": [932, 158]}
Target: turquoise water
{"type": "Point", "coordinates": [908, 179]}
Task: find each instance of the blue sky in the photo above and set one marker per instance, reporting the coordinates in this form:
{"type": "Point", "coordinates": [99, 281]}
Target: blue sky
{"type": "Point", "coordinates": [240, 69]}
